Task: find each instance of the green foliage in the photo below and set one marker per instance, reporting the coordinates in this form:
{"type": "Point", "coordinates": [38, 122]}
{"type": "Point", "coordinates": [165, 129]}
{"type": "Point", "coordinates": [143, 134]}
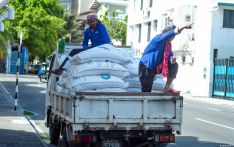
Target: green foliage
{"type": "Point", "coordinates": [40, 21]}
{"type": "Point", "coordinates": [117, 28]}
{"type": "Point", "coordinates": [71, 26]}
{"type": "Point", "coordinates": [4, 36]}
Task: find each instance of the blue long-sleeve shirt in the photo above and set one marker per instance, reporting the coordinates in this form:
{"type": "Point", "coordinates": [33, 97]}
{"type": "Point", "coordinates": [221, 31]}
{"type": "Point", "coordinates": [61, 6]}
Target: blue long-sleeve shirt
{"type": "Point", "coordinates": [153, 54]}
{"type": "Point", "coordinates": [98, 37]}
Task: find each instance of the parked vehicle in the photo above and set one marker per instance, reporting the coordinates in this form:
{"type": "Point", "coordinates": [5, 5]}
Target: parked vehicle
{"type": "Point", "coordinates": [43, 72]}
{"type": "Point", "coordinates": [108, 119]}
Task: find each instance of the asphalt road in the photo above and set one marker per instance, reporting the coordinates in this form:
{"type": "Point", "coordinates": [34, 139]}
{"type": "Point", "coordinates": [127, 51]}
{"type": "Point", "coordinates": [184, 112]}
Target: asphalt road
{"type": "Point", "coordinates": [31, 97]}
{"type": "Point", "coordinates": [204, 124]}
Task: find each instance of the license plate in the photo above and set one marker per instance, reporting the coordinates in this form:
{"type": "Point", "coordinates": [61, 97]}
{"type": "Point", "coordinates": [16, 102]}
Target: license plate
{"type": "Point", "coordinates": [111, 143]}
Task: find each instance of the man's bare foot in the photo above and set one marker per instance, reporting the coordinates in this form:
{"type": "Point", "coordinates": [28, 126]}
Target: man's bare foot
{"type": "Point", "coordinates": [171, 91]}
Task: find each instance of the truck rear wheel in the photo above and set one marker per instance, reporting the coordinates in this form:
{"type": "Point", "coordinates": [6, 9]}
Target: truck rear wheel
{"type": "Point", "coordinates": [70, 137]}
{"type": "Point", "coordinates": [161, 145]}
{"type": "Point", "coordinates": [64, 142]}
{"type": "Point", "coordinates": [54, 133]}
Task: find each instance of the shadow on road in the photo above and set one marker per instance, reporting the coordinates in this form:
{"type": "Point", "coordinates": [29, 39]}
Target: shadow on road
{"type": "Point", "coordinates": [191, 141]}
{"type": "Point", "coordinates": [18, 138]}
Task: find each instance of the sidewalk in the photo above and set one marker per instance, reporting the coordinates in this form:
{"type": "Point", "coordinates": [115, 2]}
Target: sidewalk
{"type": "Point", "coordinates": [14, 75]}
{"type": "Point", "coordinates": [15, 129]}
{"type": "Point", "coordinates": [216, 101]}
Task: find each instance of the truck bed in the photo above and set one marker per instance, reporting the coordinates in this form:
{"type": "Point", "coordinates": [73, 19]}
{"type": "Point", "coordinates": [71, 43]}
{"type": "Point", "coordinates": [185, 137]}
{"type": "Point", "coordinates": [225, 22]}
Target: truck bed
{"type": "Point", "coordinates": [118, 110]}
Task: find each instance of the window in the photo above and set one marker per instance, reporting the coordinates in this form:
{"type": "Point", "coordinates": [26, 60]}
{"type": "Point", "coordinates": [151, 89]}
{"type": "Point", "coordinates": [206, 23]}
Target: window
{"type": "Point", "coordinates": [187, 18]}
{"type": "Point", "coordinates": [168, 21]}
{"type": "Point", "coordinates": [215, 56]}
{"type": "Point", "coordinates": [155, 22]}
{"type": "Point", "coordinates": [228, 18]}
{"type": "Point", "coordinates": [150, 3]}
{"type": "Point", "coordinates": [141, 4]}
{"type": "Point", "coordinates": [134, 5]}
{"type": "Point", "coordinates": [139, 36]}
{"type": "Point", "coordinates": [149, 31]}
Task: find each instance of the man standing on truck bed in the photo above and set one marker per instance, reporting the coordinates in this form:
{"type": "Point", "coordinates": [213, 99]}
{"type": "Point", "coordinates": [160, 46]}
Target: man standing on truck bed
{"type": "Point", "coordinates": [158, 58]}
{"type": "Point", "coordinates": [96, 33]}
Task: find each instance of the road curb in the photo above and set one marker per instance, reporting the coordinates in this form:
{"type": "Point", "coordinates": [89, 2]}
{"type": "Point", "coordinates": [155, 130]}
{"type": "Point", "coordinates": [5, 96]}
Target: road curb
{"type": "Point", "coordinates": [14, 75]}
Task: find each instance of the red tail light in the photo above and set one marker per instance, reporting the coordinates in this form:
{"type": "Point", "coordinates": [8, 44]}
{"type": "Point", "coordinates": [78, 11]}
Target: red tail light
{"type": "Point", "coordinates": [164, 138]}
{"type": "Point", "coordinates": [167, 138]}
{"type": "Point", "coordinates": [87, 139]}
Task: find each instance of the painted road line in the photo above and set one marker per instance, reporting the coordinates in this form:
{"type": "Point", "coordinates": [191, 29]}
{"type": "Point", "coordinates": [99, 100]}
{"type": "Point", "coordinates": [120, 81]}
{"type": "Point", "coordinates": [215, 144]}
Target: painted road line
{"type": "Point", "coordinates": [38, 129]}
{"type": "Point", "coordinates": [213, 109]}
{"type": "Point", "coordinates": [220, 125]}
{"type": "Point", "coordinates": [6, 91]}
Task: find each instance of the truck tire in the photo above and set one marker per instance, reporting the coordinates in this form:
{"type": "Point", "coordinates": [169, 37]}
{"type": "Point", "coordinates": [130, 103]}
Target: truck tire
{"type": "Point", "coordinates": [64, 142]}
{"type": "Point", "coordinates": [54, 133]}
{"type": "Point", "coordinates": [161, 145]}
{"type": "Point", "coordinates": [69, 135]}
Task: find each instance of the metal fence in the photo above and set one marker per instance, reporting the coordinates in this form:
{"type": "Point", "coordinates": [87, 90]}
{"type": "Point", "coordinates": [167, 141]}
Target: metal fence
{"type": "Point", "coordinates": [223, 82]}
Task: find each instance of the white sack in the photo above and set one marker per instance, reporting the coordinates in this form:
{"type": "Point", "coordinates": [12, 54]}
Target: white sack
{"type": "Point", "coordinates": [133, 90]}
{"type": "Point", "coordinates": [64, 82]}
{"type": "Point", "coordinates": [100, 53]}
{"type": "Point", "coordinates": [106, 90]}
{"type": "Point", "coordinates": [97, 82]}
{"type": "Point", "coordinates": [61, 89]}
{"type": "Point", "coordinates": [132, 68]}
{"type": "Point", "coordinates": [98, 68]}
{"type": "Point", "coordinates": [133, 82]}
{"type": "Point", "coordinates": [158, 83]}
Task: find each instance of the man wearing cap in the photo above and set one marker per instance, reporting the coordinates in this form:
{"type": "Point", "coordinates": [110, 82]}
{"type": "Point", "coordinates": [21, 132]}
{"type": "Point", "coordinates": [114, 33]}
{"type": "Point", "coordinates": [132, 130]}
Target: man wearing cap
{"type": "Point", "coordinates": [96, 33]}
{"type": "Point", "coordinates": [158, 59]}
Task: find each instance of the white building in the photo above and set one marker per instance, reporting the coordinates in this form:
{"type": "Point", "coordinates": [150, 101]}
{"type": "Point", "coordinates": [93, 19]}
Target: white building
{"type": "Point", "coordinates": [100, 7]}
{"type": "Point", "coordinates": [212, 29]}
{"type": "Point", "coordinates": [70, 6]}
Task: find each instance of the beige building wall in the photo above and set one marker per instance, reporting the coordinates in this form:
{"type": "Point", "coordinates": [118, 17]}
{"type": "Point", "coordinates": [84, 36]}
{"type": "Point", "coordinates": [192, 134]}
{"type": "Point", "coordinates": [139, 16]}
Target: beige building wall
{"type": "Point", "coordinates": [84, 6]}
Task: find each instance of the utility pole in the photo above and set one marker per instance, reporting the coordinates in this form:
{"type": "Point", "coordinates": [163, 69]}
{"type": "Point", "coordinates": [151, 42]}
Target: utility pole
{"type": "Point", "coordinates": [17, 73]}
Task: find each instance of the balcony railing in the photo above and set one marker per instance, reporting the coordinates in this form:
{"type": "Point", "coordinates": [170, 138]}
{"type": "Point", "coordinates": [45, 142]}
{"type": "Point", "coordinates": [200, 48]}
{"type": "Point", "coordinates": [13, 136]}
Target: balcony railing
{"type": "Point", "coordinates": [94, 4]}
{"type": "Point", "coordinates": [3, 3]}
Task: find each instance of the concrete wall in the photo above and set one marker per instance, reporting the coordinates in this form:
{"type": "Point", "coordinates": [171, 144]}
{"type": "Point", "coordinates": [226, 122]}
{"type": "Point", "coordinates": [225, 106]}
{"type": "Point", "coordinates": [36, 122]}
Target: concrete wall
{"type": "Point", "coordinates": [84, 6]}
{"type": "Point", "coordinates": [222, 38]}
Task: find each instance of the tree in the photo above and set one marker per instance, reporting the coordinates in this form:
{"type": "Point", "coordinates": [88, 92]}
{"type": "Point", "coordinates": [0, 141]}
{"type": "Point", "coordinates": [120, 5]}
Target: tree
{"type": "Point", "coordinates": [40, 21]}
{"type": "Point", "coordinates": [71, 27]}
{"type": "Point", "coordinates": [117, 28]}
{"type": "Point", "coordinates": [4, 37]}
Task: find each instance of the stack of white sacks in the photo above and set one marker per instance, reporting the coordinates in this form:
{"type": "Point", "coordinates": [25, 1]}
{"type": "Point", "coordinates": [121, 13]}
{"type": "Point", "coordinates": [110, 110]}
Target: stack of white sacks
{"type": "Point", "coordinates": [103, 69]}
